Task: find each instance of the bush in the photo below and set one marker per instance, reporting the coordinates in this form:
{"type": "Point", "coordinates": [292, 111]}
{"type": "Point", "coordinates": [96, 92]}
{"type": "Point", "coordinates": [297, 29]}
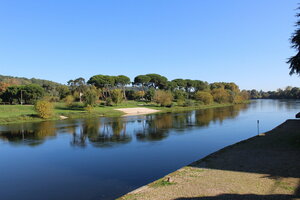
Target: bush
{"type": "Point", "coordinates": [180, 95]}
{"type": "Point", "coordinates": [150, 94]}
{"type": "Point", "coordinates": [163, 98]}
{"type": "Point", "coordinates": [44, 109]}
{"type": "Point", "coordinates": [89, 108]}
{"type": "Point", "coordinates": [180, 102]}
{"type": "Point", "coordinates": [188, 103]}
{"type": "Point", "coordinates": [138, 95]}
{"type": "Point", "coordinates": [90, 97]}
{"type": "Point", "coordinates": [69, 100]}
{"type": "Point", "coordinates": [205, 97]}
{"type": "Point", "coordinates": [117, 96]}
{"type": "Point", "coordinates": [221, 95]}
{"type": "Point", "coordinates": [108, 101]}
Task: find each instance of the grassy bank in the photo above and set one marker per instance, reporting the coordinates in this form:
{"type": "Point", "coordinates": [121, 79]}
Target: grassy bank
{"type": "Point", "coordinates": [26, 113]}
{"type": "Point", "coordinates": [263, 167]}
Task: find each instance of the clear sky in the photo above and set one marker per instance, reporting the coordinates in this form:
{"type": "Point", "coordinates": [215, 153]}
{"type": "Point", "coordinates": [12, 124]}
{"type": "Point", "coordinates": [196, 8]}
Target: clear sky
{"type": "Point", "coordinates": [241, 41]}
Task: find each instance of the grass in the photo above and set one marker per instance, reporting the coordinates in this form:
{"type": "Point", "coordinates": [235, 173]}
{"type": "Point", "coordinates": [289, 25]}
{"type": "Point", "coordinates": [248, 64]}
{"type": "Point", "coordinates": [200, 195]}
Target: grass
{"type": "Point", "coordinates": [24, 113]}
{"type": "Point", "coordinates": [161, 183]}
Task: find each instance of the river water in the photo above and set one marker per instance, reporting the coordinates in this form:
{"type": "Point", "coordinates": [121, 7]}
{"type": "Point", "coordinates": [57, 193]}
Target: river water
{"type": "Point", "coordinates": [104, 158]}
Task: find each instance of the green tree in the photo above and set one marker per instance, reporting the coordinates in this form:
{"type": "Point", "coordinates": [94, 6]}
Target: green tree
{"type": "Point", "coordinates": [157, 81]}
{"type": "Point", "coordinates": [142, 80]}
{"type": "Point", "coordinates": [63, 91]}
{"type": "Point", "coordinates": [122, 81]}
{"type": "Point", "coordinates": [180, 83]}
{"type": "Point", "coordinates": [104, 82]}
{"type": "Point", "coordinates": [90, 96]}
{"type": "Point", "coordinates": [32, 93]}
{"type": "Point", "coordinates": [117, 96]}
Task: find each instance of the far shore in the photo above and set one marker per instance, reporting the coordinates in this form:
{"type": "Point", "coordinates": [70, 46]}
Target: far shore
{"type": "Point", "coordinates": [10, 114]}
{"type": "Point", "coordinates": [266, 166]}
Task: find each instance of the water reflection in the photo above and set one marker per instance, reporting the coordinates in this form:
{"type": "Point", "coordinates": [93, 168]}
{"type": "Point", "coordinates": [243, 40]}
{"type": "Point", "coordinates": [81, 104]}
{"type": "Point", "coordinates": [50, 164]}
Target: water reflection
{"type": "Point", "coordinates": [108, 132]}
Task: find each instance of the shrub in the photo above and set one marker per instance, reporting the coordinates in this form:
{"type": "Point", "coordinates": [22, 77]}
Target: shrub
{"type": "Point", "coordinates": [188, 103]}
{"type": "Point", "coordinates": [138, 95]}
{"type": "Point", "coordinates": [90, 97]}
{"type": "Point", "coordinates": [108, 101]}
{"type": "Point", "coordinates": [150, 94]}
{"type": "Point", "coordinates": [117, 96]}
{"type": "Point", "coordinates": [69, 100]}
{"type": "Point", "coordinates": [180, 94]}
{"type": "Point", "coordinates": [44, 109]}
{"type": "Point", "coordinates": [220, 95]}
{"type": "Point", "coordinates": [180, 102]}
{"type": "Point", "coordinates": [89, 108]}
{"type": "Point", "coordinates": [163, 98]}
{"type": "Point", "coordinates": [205, 97]}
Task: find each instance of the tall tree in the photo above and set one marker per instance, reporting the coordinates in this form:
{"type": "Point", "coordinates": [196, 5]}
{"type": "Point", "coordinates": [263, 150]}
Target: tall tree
{"type": "Point", "coordinates": [141, 80]}
{"type": "Point", "coordinates": [294, 61]}
{"type": "Point", "coordinates": [157, 81]}
{"type": "Point", "coordinates": [122, 81]}
{"type": "Point", "coordinates": [103, 82]}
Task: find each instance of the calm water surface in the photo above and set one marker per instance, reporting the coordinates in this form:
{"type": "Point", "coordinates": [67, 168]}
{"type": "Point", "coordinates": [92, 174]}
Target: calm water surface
{"type": "Point", "coordinates": [103, 158]}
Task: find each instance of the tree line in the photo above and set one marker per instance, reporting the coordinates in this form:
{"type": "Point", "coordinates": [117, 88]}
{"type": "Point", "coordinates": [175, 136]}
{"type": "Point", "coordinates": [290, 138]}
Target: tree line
{"type": "Point", "coordinates": [287, 93]}
{"type": "Point", "coordinates": [111, 90]}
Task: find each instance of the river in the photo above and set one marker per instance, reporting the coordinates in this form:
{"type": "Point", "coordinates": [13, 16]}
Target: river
{"type": "Point", "coordinates": [104, 158]}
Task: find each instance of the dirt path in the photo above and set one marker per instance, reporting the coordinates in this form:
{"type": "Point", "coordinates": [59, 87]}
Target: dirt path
{"type": "Point", "coordinates": [262, 167]}
{"type": "Point", "coordinates": [137, 111]}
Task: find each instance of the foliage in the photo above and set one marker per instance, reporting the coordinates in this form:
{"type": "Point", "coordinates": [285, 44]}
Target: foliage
{"type": "Point", "coordinates": [108, 101]}
{"type": "Point", "coordinates": [150, 94]}
{"type": "Point", "coordinates": [91, 96]}
{"type": "Point", "coordinates": [121, 81]}
{"type": "Point", "coordinates": [294, 61]}
{"type": "Point", "coordinates": [89, 108]}
{"type": "Point", "coordinates": [102, 81]}
{"type": "Point", "coordinates": [44, 109]}
{"type": "Point", "coordinates": [69, 100]}
{"type": "Point", "coordinates": [164, 98]}
{"type": "Point", "coordinates": [138, 95]}
{"type": "Point", "coordinates": [117, 96]}
{"type": "Point", "coordinates": [157, 81]}
{"type": "Point", "coordinates": [205, 97]}
{"type": "Point", "coordinates": [3, 87]}
{"type": "Point", "coordinates": [63, 91]}
{"type": "Point", "coordinates": [32, 93]}
{"type": "Point", "coordinates": [141, 80]}
{"type": "Point", "coordinates": [287, 93]}
{"type": "Point", "coordinates": [28, 93]}
{"type": "Point", "coordinates": [188, 103]}
{"type": "Point", "coordinates": [220, 95]}
{"type": "Point", "coordinates": [180, 94]}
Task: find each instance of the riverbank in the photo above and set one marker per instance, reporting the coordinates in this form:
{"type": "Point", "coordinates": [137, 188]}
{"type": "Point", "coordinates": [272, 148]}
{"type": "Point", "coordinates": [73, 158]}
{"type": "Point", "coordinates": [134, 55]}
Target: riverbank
{"type": "Point", "coordinates": [263, 167]}
{"type": "Point", "coordinates": [25, 113]}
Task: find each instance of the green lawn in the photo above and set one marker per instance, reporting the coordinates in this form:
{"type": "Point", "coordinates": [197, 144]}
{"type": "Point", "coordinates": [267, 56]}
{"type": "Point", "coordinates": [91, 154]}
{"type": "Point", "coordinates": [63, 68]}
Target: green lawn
{"type": "Point", "coordinates": [23, 113]}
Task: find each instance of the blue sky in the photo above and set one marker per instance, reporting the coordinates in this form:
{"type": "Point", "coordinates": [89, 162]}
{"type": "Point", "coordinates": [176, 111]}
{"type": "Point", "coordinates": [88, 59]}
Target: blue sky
{"type": "Point", "coordinates": [246, 42]}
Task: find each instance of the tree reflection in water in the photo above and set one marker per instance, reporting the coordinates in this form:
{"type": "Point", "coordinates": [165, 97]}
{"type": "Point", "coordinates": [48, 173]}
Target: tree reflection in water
{"type": "Point", "coordinates": [108, 132]}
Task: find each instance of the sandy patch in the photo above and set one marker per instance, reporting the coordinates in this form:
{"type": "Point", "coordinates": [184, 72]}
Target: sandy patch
{"type": "Point", "coordinates": [137, 111]}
